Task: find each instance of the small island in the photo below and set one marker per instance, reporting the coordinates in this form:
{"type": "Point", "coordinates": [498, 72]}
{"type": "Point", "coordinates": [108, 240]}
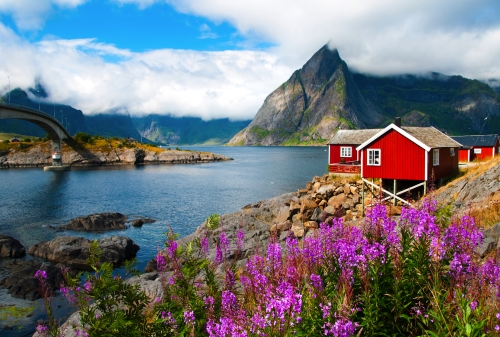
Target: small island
{"type": "Point", "coordinates": [84, 150]}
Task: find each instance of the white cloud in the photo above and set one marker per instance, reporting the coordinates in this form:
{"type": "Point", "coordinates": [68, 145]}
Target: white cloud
{"type": "Point", "coordinates": [182, 82]}
{"type": "Point", "coordinates": [31, 14]}
{"type": "Point", "coordinates": [380, 37]}
{"type": "Point", "coordinates": [141, 4]}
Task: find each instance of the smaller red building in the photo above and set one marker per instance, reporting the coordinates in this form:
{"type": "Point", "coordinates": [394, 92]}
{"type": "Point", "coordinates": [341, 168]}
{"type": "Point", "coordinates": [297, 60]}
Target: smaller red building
{"type": "Point", "coordinates": [342, 154]}
{"type": "Point", "coordinates": [479, 147]}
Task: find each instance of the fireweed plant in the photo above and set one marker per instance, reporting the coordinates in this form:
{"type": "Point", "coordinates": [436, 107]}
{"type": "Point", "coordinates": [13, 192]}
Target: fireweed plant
{"type": "Point", "coordinates": [417, 277]}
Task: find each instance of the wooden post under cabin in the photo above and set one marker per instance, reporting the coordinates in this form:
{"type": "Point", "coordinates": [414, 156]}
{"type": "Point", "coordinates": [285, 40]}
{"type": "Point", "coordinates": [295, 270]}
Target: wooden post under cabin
{"type": "Point", "coordinates": [363, 198]}
{"type": "Point", "coordinates": [394, 191]}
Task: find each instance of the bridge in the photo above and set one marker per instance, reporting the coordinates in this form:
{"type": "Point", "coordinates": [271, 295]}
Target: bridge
{"type": "Point", "coordinates": [52, 126]}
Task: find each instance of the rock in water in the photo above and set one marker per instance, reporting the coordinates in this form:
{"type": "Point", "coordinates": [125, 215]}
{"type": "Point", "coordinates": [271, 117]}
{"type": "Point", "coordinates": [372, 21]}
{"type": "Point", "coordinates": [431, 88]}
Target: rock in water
{"type": "Point", "coordinates": [10, 247]}
{"type": "Point", "coordinates": [74, 251]}
{"type": "Point", "coordinates": [21, 282]}
{"type": "Point", "coordinates": [97, 222]}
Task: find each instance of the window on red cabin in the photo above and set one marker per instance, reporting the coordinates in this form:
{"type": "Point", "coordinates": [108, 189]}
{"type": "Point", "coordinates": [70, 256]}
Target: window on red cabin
{"type": "Point", "coordinates": [452, 152]}
{"type": "Point", "coordinates": [374, 157]}
{"type": "Point", "coordinates": [435, 157]}
{"type": "Point", "coordinates": [477, 151]}
{"type": "Point", "coordinates": [346, 152]}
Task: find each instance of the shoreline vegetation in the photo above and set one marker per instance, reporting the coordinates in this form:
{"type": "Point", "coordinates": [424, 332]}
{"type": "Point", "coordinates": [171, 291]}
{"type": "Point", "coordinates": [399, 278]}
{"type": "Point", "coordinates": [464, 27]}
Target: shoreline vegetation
{"type": "Point", "coordinates": [416, 274]}
{"type": "Point", "coordinates": [84, 150]}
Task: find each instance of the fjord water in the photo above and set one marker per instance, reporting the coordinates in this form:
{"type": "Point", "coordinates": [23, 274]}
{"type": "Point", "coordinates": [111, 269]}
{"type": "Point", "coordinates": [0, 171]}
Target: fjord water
{"type": "Point", "coordinates": [179, 196]}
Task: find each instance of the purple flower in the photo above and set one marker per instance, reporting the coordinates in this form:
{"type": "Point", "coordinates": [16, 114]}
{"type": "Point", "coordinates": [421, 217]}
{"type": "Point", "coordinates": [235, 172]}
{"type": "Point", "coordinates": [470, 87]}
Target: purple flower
{"type": "Point", "coordinates": [41, 274]}
{"type": "Point", "coordinates": [205, 248]}
{"type": "Point", "coordinates": [229, 303]}
{"type": "Point", "coordinates": [209, 302]}
{"type": "Point", "coordinates": [160, 262]}
{"type": "Point", "coordinates": [189, 317]}
{"type": "Point", "coordinates": [87, 286]}
{"type": "Point", "coordinates": [230, 280]}
{"type": "Point", "coordinates": [473, 305]}
{"type": "Point", "coordinates": [240, 239]}
{"type": "Point", "coordinates": [169, 320]}
{"type": "Point", "coordinates": [40, 328]}
{"type": "Point", "coordinates": [97, 316]}
{"type": "Point", "coordinates": [218, 255]}
{"type": "Point", "coordinates": [316, 282]}
{"type": "Point", "coordinates": [172, 249]}
{"type": "Point", "coordinates": [224, 243]}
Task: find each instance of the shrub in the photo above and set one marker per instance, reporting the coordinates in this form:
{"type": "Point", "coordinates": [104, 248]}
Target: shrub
{"type": "Point", "coordinates": [6, 141]}
{"type": "Point", "coordinates": [82, 137]}
{"type": "Point", "coordinates": [26, 140]}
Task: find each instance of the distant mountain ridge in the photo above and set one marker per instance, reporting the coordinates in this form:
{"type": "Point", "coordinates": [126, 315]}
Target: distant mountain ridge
{"type": "Point", "coordinates": [324, 96]}
{"type": "Point", "coordinates": [166, 130]}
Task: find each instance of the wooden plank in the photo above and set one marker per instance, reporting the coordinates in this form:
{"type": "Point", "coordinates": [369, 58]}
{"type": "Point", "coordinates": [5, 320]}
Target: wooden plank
{"type": "Point", "coordinates": [391, 195]}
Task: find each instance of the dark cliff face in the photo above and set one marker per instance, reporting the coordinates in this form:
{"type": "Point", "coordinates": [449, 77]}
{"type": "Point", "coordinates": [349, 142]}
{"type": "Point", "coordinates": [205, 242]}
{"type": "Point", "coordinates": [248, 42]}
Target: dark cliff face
{"type": "Point", "coordinates": [317, 99]}
{"type": "Point", "coordinates": [324, 96]}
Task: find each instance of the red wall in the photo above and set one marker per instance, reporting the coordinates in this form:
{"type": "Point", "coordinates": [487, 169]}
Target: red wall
{"type": "Point", "coordinates": [335, 153]}
{"type": "Point", "coordinates": [464, 155]}
{"type": "Point", "coordinates": [401, 159]}
{"type": "Point", "coordinates": [448, 165]}
{"type": "Point", "coordinates": [486, 153]}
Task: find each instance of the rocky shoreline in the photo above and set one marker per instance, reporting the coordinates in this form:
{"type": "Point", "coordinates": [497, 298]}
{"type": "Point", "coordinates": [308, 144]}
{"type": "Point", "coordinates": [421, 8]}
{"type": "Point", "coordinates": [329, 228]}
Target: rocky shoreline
{"type": "Point", "coordinates": [40, 156]}
{"type": "Point", "coordinates": [299, 214]}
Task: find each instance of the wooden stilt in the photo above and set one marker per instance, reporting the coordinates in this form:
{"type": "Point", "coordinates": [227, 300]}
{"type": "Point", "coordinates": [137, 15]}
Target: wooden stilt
{"type": "Point", "coordinates": [394, 191]}
{"type": "Point", "coordinates": [363, 199]}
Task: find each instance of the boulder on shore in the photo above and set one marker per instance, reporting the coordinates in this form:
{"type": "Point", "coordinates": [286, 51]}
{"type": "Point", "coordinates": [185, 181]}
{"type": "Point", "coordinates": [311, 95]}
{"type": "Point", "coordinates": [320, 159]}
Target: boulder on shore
{"type": "Point", "coordinates": [74, 251]}
{"type": "Point", "coordinates": [98, 222]}
{"type": "Point", "coordinates": [10, 247]}
{"type": "Point", "coordinates": [21, 282]}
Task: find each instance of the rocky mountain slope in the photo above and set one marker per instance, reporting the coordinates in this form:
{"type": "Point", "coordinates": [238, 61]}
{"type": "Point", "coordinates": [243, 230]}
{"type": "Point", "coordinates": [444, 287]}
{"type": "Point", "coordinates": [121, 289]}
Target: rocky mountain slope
{"type": "Point", "coordinates": [324, 95]}
{"type": "Point", "coordinates": [319, 98]}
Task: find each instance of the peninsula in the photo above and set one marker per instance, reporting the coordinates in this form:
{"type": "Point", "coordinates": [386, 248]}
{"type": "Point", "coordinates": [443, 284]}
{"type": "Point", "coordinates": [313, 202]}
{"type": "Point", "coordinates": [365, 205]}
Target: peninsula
{"type": "Point", "coordinates": [84, 150]}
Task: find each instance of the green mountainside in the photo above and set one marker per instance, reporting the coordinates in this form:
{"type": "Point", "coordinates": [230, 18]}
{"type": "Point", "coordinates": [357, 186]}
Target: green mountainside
{"type": "Point", "coordinates": [324, 96]}
{"type": "Point", "coordinates": [454, 104]}
{"type": "Point", "coordinates": [187, 130]}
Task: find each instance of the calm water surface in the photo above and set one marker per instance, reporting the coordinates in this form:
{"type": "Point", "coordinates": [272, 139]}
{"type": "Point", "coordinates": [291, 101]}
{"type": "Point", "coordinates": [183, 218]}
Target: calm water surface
{"type": "Point", "coordinates": [180, 196]}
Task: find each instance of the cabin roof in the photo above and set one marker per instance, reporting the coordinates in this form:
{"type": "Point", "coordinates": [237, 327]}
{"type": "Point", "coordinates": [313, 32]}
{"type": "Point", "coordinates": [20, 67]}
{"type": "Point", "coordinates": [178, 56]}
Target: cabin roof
{"type": "Point", "coordinates": [425, 137]}
{"type": "Point", "coordinates": [477, 140]}
{"type": "Point", "coordinates": [354, 137]}
{"type": "Point", "coordinates": [431, 137]}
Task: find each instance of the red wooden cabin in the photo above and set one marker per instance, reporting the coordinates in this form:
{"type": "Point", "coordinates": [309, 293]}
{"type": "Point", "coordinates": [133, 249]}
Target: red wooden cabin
{"type": "Point", "coordinates": [479, 147]}
{"type": "Point", "coordinates": [342, 154]}
{"type": "Point", "coordinates": [410, 154]}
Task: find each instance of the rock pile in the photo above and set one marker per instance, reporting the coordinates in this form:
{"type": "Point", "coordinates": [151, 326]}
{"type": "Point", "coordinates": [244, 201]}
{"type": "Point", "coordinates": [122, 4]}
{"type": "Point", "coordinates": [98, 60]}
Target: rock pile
{"type": "Point", "coordinates": [297, 213]}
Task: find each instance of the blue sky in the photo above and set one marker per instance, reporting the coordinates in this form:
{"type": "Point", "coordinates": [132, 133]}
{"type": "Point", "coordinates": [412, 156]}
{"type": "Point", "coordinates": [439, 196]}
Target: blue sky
{"type": "Point", "coordinates": [219, 58]}
{"type": "Point", "coordinates": [128, 27]}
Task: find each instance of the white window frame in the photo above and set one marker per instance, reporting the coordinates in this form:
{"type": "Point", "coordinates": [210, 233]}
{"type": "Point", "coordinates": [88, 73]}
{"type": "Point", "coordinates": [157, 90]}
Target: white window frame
{"type": "Point", "coordinates": [435, 157]}
{"type": "Point", "coordinates": [477, 151]}
{"type": "Point", "coordinates": [452, 152]}
{"type": "Point", "coordinates": [371, 160]}
{"type": "Point", "coordinates": [345, 152]}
